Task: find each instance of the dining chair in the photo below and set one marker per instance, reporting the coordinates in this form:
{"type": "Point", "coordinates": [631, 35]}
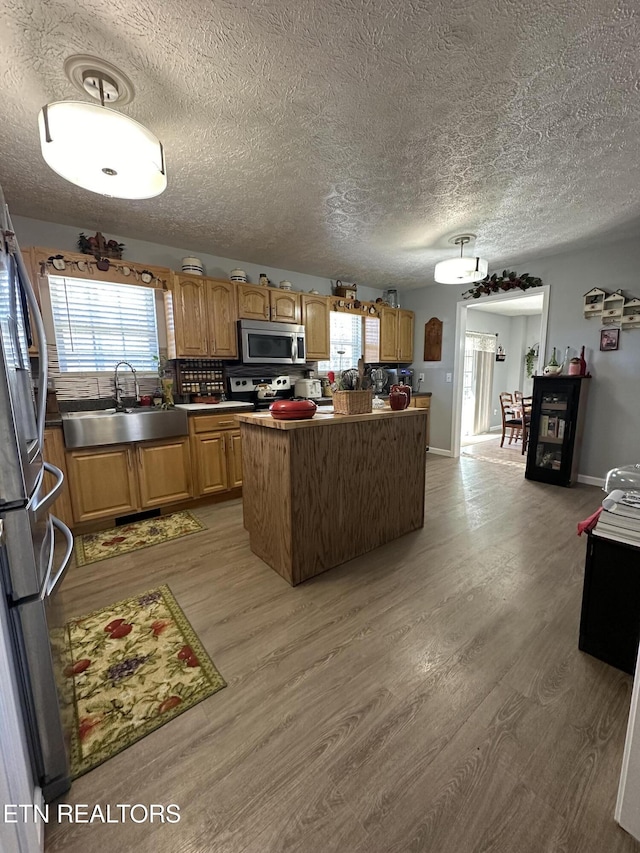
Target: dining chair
{"type": "Point", "coordinates": [509, 421]}
{"type": "Point", "coordinates": [517, 396]}
{"type": "Point", "coordinates": [525, 407]}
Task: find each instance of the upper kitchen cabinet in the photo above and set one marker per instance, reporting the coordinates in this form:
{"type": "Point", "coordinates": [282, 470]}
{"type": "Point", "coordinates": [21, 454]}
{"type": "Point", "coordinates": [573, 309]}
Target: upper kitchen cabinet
{"type": "Point", "coordinates": [405, 335]}
{"type": "Point", "coordinates": [204, 316]}
{"type": "Point", "coordinates": [316, 311]}
{"type": "Point", "coordinates": [396, 335]}
{"type": "Point", "coordinates": [268, 303]}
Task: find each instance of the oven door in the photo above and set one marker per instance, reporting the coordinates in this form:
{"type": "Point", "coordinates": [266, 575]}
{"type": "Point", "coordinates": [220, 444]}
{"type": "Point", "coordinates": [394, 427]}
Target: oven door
{"type": "Point", "coordinates": [272, 343]}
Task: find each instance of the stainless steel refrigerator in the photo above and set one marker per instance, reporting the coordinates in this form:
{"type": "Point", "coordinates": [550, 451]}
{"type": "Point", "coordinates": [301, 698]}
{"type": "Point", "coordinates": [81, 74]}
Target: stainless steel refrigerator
{"type": "Point", "coordinates": [31, 566]}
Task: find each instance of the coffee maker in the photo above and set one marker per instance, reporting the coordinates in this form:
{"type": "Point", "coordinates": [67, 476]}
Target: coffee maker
{"type": "Point", "coordinates": [405, 376]}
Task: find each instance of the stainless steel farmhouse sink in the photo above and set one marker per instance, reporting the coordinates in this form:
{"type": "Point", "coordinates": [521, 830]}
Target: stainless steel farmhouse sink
{"type": "Point", "coordinates": [90, 429]}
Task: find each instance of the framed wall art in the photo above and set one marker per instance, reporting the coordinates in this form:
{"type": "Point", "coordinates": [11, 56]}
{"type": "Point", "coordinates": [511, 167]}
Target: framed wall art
{"type": "Point", "coordinates": [609, 339]}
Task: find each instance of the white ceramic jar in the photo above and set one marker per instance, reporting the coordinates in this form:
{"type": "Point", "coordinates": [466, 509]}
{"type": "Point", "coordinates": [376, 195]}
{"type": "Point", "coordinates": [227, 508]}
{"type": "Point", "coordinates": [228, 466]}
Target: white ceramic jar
{"type": "Point", "coordinates": [194, 266]}
{"type": "Point", "coordinates": [285, 285]}
{"type": "Point", "coordinates": [238, 275]}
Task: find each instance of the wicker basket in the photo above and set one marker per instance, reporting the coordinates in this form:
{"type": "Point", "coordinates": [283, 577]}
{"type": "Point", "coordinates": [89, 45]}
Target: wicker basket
{"type": "Point", "coordinates": [352, 402]}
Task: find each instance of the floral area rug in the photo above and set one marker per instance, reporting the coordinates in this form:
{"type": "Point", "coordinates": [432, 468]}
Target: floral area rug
{"type": "Point", "coordinates": [133, 666]}
{"type": "Point", "coordinates": [92, 547]}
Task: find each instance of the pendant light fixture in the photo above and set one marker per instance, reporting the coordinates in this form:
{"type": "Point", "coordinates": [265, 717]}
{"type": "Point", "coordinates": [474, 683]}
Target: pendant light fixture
{"type": "Point", "coordinates": [96, 147]}
{"type": "Point", "coordinates": [461, 270]}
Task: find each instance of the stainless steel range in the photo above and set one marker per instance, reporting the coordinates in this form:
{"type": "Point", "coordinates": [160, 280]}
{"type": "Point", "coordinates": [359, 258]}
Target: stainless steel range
{"type": "Point", "coordinates": [259, 390]}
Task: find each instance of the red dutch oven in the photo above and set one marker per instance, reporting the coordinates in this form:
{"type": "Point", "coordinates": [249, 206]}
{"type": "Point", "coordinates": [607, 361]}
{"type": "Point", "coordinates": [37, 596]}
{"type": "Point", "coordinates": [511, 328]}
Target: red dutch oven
{"type": "Point", "coordinates": [292, 410]}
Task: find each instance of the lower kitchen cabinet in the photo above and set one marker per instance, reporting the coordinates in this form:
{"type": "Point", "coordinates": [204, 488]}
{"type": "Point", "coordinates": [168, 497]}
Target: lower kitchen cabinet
{"type": "Point", "coordinates": [217, 454]}
{"type": "Point", "coordinates": [103, 482]}
{"type": "Point", "coordinates": [165, 472]}
{"type": "Point", "coordinates": [122, 479]}
{"type": "Point", "coordinates": [54, 452]}
{"type": "Point", "coordinates": [234, 459]}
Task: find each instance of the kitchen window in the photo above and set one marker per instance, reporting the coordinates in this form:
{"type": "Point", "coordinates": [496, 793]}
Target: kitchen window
{"type": "Point", "coordinates": [97, 324]}
{"type": "Point", "coordinates": [346, 342]}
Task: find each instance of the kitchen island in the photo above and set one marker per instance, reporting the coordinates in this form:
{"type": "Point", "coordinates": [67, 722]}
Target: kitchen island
{"type": "Point", "coordinates": [322, 491]}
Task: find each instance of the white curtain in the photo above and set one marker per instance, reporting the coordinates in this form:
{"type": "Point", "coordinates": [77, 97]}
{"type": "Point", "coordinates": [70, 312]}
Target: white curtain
{"type": "Point", "coordinates": [484, 362]}
{"type": "Point", "coordinates": [484, 357]}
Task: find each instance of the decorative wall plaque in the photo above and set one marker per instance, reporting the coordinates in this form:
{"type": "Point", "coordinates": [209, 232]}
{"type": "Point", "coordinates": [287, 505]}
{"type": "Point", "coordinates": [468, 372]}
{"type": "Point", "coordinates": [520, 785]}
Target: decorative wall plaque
{"type": "Point", "coordinates": [433, 340]}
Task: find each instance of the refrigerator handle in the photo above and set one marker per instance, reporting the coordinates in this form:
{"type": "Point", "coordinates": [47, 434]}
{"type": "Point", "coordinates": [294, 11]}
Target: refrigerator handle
{"type": "Point", "coordinates": [36, 316]}
{"type": "Point", "coordinates": [68, 535]}
{"type": "Point", "coordinates": [43, 505]}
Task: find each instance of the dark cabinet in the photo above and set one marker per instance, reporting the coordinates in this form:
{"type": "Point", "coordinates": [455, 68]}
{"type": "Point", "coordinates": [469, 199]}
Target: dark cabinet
{"type": "Point", "coordinates": [610, 619]}
{"type": "Point", "coordinates": [555, 433]}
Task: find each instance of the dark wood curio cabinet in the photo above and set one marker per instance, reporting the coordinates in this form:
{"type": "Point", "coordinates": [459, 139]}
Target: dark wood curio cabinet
{"type": "Point", "coordinates": [555, 433]}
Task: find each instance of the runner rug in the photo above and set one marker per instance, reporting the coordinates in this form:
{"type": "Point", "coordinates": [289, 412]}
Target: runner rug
{"type": "Point", "coordinates": [92, 547]}
{"type": "Point", "coordinates": [132, 667]}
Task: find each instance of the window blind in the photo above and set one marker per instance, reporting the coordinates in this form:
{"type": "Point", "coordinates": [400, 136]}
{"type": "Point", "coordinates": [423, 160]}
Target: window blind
{"type": "Point", "coordinates": [346, 342]}
{"type": "Point", "coordinates": [98, 324]}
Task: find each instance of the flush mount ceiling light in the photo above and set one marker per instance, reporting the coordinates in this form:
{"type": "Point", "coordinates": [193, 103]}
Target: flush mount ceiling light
{"type": "Point", "coordinates": [461, 270]}
{"type": "Point", "coordinates": [98, 148]}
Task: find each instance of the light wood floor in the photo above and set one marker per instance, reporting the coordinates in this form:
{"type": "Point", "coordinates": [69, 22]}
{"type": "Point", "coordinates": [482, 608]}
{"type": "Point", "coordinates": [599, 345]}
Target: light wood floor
{"type": "Point", "coordinates": [428, 697]}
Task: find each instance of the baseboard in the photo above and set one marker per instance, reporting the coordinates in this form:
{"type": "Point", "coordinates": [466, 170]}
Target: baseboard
{"type": "Point", "coordinates": [437, 451]}
{"type": "Point", "coordinates": [591, 481]}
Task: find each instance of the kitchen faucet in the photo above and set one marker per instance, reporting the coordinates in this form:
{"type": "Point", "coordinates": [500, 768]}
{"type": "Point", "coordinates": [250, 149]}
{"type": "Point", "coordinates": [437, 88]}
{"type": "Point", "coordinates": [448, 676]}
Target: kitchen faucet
{"type": "Point", "coordinates": [118, 390]}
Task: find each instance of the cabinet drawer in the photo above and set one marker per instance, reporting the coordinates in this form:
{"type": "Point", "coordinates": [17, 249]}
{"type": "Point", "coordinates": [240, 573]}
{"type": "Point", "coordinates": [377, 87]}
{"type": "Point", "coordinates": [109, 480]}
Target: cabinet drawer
{"type": "Point", "coordinates": [212, 423]}
{"type": "Point", "coordinates": [420, 402]}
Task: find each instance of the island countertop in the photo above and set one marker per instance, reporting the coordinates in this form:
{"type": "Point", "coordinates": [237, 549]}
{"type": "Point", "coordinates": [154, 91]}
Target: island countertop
{"type": "Point", "coordinates": [325, 419]}
{"type": "Point", "coordinates": [322, 491]}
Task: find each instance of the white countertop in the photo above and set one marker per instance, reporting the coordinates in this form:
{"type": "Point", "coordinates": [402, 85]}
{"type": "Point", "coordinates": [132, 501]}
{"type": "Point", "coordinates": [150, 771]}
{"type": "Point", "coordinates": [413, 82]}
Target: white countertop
{"type": "Point", "coordinates": [213, 407]}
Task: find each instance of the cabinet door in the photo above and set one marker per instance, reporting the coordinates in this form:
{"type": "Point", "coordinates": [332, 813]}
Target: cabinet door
{"type": "Point", "coordinates": [102, 482]}
{"type": "Point", "coordinates": [53, 452]}
{"type": "Point", "coordinates": [285, 307]}
{"type": "Point", "coordinates": [253, 302]}
{"type": "Point", "coordinates": [315, 319]}
{"type": "Point", "coordinates": [388, 334]}
{"type": "Point", "coordinates": [165, 472]}
{"type": "Point", "coordinates": [221, 305]}
{"type": "Point", "coordinates": [210, 463]}
{"type": "Point", "coordinates": [190, 316]}
{"type": "Point", "coordinates": [234, 458]}
{"type": "Point", "coordinates": [405, 336]}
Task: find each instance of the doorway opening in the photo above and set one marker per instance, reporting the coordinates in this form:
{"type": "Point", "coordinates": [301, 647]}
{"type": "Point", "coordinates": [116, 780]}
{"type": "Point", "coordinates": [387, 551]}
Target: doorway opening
{"type": "Point", "coordinates": [517, 324]}
{"type": "Point", "coordinates": [477, 384]}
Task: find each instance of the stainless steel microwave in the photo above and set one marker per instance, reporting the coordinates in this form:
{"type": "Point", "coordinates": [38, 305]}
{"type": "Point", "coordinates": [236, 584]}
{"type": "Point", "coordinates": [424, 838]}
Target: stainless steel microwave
{"type": "Point", "coordinates": [262, 342]}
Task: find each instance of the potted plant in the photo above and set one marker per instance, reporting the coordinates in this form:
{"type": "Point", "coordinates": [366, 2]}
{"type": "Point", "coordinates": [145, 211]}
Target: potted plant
{"type": "Point", "coordinates": [529, 359]}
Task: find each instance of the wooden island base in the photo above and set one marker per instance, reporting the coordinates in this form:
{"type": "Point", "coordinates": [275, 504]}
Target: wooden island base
{"type": "Point", "coordinates": [319, 492]}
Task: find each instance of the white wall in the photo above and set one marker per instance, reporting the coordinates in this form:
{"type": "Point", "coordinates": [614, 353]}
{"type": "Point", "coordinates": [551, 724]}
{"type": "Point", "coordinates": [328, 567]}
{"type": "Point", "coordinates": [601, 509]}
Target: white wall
{"type": "Point", "coordinates": [613, 411]}
{"type": "Point", "coordinates": [49, 235]}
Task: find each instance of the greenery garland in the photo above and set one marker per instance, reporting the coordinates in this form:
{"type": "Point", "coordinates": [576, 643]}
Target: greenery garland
{"type": "Point", "coordinates": [504, 282]}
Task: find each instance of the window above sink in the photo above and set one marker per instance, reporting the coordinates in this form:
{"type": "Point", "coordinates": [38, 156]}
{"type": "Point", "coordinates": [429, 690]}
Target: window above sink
{"type": "Point", "coordinates": [97, 324]}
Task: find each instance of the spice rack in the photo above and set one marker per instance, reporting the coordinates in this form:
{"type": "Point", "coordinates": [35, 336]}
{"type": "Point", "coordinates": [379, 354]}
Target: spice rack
{"type": "Point", "coordinates": [202, 376]}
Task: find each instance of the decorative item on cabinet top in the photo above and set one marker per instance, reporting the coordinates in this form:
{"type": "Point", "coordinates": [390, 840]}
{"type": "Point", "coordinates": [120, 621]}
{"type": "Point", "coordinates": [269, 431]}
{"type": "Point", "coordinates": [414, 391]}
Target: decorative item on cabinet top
{"type": "Point", "coordinates": [79, 265]}
{"type": "Point", "coordinates": [355, 306]}
{"type": "Point", "coordinates": [347, 291]}
{"type": "Point", "coordinates": [99, 247]}
{"type": "Point", "coordinates": [612, 307]}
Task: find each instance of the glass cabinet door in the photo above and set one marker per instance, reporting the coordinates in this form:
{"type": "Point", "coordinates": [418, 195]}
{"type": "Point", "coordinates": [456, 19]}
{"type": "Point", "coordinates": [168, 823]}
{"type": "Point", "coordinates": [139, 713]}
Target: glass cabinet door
{"type": "Point", "coordinates": [554, 427]}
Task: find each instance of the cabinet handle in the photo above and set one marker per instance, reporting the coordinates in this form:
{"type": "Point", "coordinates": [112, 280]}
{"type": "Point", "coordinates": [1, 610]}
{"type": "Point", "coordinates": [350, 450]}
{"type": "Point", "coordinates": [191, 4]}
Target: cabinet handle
{"type": "Point", "coordinates": [225, 423]}
{"type": "Point", "coordinates": [266, 312]}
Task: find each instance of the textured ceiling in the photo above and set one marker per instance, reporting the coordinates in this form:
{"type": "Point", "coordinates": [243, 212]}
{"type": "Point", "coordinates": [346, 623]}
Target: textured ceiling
{"type": "Point", "coordinates": [347, 138]}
